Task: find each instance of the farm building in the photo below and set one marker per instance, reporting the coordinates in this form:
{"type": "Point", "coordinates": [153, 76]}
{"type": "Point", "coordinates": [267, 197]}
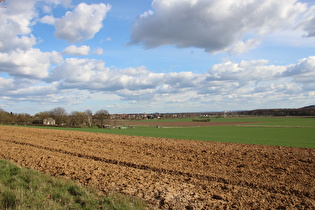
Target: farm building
{"type": "Point", "coordinates": [49, 121]}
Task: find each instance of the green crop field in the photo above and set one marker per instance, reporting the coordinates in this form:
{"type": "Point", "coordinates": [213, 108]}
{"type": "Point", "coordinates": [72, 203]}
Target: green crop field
{"type": "Point", "coordinates": [295, 137]}
{"type": "Point", "coordinates": [281, 121]}
{"type": "Point", "coordinates": [279, 131]}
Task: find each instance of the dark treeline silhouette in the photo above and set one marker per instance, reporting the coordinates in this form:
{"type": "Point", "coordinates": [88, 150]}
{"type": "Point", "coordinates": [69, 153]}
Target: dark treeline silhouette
{"type": "Point", "coordinates": [305, 111]}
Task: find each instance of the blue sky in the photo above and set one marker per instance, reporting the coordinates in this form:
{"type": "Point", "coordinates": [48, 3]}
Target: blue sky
{"type": "Point", "coordinates": [156, 56]}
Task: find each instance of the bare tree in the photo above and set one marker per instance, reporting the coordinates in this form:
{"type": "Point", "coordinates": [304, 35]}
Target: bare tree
{"type": "Point", "coordinates": [102, 116]}
{"type": "Point", "coordinates": [3, 116]}
{"type": "Point", "coordinates": [23, 119]}
{"type": "Point", "coordinates": [77, 118]}
{"type": "Point", "coordinates": [60, 115]}
{"type": "Point", "coordinates": [42, 115]}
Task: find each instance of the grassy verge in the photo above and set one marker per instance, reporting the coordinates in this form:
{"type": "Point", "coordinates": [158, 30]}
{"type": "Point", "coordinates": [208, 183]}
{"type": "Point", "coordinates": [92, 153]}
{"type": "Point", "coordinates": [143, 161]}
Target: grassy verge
{"type": "Point", "coordinates": [27, 189]}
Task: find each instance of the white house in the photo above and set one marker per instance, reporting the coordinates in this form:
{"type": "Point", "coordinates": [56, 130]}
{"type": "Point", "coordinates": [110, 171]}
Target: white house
{"type": "Point", "coordinates": [49, 121]}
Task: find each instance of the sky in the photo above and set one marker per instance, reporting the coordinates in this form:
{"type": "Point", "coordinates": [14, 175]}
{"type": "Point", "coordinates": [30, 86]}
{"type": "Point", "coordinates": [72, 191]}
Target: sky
{"type": "Point", "coordinates": [164, 56]}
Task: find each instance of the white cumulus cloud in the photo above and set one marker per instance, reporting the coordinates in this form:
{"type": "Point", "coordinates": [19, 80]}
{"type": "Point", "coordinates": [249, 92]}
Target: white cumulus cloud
{"type": "Point", "coordinates": [48, 19]}
{"type": "Point", "coordinates": [213, 25]}
{"type": "Point", "coordinates": [30, 64]}
{"type": "Point", "coordinates": [82, 23]}
{"type": "Point", "coordinates": [303, 71]}
{"type": "Point", "coordinates": [6, 84]}
{"type": "Point", "coordinates": [310, 27]}
{"type": "Point", "coordinates": [74, 50]}
{"type": "Point", "coordinates": [245, 71]}
{"type": "Point", "coordinates": [227, 83]}
{"type": "Point", "coordinates": [16, 21]}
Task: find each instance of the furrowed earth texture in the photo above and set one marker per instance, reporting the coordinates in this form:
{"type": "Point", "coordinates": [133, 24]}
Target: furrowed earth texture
{"type": "Point", "coordinates": [169, 173]}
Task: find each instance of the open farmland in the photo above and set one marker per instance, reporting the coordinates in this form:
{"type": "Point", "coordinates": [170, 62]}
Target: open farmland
{"type": "Point", "coordinates": [276, 131]}
{"type": "Point", "coordinates": [167, 172]}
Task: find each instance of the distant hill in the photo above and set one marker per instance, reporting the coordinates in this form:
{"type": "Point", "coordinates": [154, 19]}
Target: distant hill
{"type": "Point", "coordinates": [307, 107]}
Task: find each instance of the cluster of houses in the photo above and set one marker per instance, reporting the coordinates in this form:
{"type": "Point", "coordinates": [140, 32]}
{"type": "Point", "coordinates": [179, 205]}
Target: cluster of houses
{"type": "Point", "coordinates": [51, 121]}
{"type": "Point", "coordinates": [143, 116]}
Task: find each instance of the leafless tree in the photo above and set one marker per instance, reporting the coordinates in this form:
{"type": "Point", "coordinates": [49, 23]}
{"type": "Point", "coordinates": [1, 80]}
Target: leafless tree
{"type": "Point", "coordinates": [77, 118]}
{"type": "Point", "coordinates": [102, 116]}
{"type": "Point", "coordinates": [60, 115]}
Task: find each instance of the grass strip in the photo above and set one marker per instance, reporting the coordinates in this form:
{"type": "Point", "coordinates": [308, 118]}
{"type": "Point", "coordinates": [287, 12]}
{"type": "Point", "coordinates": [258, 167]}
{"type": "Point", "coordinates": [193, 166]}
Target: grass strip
{"type": "Point", "coordinates": [22, 188]}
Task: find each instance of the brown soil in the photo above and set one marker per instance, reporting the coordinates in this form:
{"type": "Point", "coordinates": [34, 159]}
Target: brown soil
{"type": "Point", "coordinates": [170, 173]}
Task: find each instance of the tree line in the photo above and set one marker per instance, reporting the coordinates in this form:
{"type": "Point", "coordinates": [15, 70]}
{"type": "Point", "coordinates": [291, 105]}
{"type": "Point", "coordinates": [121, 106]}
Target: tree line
{"type": "Point", "coordinates": [305, 111]}
{"type": "Point", "coordinates": [102, 117]}
{"type": "Point", "coordinates": [59, 116]}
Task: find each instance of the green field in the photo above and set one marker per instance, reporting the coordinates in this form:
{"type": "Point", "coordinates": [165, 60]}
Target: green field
{"type": "Point", "coordinates": [281, 121]}
{"type": "Point", "coordinates": [279, 131]}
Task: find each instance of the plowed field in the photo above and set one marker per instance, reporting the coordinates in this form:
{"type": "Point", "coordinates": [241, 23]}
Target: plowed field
{"type": "Point", "coordinates": [170, 173]}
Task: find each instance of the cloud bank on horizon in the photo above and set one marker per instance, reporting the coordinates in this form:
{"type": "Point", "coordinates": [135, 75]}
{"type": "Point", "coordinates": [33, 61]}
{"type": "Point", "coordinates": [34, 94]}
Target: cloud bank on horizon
{"type": "Point", "coordinates": [110, 55]}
